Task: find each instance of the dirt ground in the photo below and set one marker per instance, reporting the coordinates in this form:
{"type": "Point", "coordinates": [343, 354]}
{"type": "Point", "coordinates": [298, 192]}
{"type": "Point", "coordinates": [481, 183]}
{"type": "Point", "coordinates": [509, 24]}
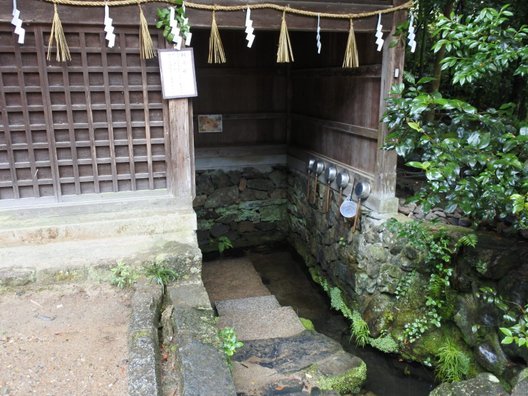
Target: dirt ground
{"type": "Point", "coordinates": [64, 340]}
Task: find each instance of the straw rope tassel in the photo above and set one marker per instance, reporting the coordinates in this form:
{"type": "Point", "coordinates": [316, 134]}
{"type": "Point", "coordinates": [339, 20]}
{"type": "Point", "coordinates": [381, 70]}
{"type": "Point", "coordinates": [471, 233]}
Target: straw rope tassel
{"type": "Point", "coordinates": [146, 48]}
{"type": "Point", "coordinates": [216, 49]}
{"type": "Point", "coordinates": [284, 52]}
{"type": "Point", "coordinates": [57, 36]}
{"type": "Point", "coordinates": [351, 54]}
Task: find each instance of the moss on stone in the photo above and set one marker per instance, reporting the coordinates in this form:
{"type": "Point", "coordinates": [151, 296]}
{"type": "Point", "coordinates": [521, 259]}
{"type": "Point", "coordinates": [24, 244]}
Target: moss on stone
{"type": "Point", "coordinates": [136, 335]}
{"type": "Point", "coordinates": [427, 346]}
{"type": "Point", "coordinates": [307, 324]}
{"type": "Point", "coordinates": [348, 382]}
{"type": "Point", "coordinates": [385, 344]}
{"type": "Point", "coordinates": [62, 276]}
{"type": "Point", "coordinates": [248, 215]}
{"type": "Point", "coordinates": [205, 224]}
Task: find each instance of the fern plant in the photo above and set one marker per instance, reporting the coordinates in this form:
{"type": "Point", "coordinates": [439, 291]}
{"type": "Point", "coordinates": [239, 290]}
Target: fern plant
{"type": "Point", "coordinates": [360, 330]}
{"type": "Point", "coordinates": [224, 243]}
{"type": "Point", "coordinates": [452, 363]}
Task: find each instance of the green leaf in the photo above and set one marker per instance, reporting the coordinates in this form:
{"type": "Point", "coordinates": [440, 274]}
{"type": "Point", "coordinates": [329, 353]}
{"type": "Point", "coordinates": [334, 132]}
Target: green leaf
{"type": "Point", "coordinates": [507, 340]}
{"type": "Point", "coordinates": [419, 165]}
{"type": "Point", "coordinates": [425, 80]}
{"type": "Point", "coordinates": [506, 331]}
{"type": "Point", "coordinates": [434, 174]}
{"type": "Point", "coordinates": [414, 125]}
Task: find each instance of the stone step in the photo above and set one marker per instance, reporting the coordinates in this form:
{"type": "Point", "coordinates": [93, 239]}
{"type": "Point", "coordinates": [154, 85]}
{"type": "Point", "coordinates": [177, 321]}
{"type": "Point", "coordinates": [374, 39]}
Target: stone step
{"type": "Point", "coordinates": [20, 229]}
{"type": "Point", "coordinates": [295, 365]}
{"type": "Point", "coordinates": [260, 325]}
{"type": "Point", "coordinates": [261, 303]}
{"type": "Point", "coordinates": [232, 279]}
{"type": "Point", "coordinates": [74, 260]}
{"type": "Point", "coordinates": [91, 216]}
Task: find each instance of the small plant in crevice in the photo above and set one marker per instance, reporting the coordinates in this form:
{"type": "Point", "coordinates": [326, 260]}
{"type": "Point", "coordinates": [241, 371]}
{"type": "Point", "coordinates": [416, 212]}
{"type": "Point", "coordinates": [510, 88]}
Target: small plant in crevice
{"type": "Point", "coordinates": [359, 330]}
{"type": "Point", "coordinates": [481, 267]}
{"type": "Point", "coordinates": [404, 284]}
{"type": "Point", "coordinates": [160, 274]}
{"type": "Point", "coordinates": [515, 317]}
{"type": "Point", "coordinates": [342, 242]}
{"type": "Point", "coordinates": [223, 243]}
{"type": "Point", "coordinates": [452, 363]}
{"type": "Point", "coordinates": [123, 275]}
{"type": "Point", "coordinates": [230, 343]}
{"type": "Point", "coordinates": [437, 249]}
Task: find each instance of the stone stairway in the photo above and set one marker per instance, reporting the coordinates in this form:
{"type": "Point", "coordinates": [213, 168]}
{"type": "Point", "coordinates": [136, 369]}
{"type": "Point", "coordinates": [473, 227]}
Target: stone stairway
{"type": "Point", "coordinates": [73, 240]}
{"type": "Point", "coordinates": [279, 356]}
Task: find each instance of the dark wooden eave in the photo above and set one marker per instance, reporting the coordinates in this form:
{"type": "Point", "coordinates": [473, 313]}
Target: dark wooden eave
{"type": "Point", "coordinates": [38, 11]}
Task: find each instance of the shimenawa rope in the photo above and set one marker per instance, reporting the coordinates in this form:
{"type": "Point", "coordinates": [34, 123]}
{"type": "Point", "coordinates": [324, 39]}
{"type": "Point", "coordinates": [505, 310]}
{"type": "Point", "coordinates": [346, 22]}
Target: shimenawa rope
{"type": "Point", "coordinates": [209, 7]}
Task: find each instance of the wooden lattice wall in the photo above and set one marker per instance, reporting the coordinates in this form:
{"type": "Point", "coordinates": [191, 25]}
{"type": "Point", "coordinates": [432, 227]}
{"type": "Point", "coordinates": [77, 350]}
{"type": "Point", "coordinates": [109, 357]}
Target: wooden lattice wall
{"type": "Point", "coordinates": [95, 124]}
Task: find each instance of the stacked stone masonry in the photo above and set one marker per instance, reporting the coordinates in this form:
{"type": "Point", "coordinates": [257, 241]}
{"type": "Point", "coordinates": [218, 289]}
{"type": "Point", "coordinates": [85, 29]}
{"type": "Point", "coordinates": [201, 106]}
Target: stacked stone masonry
{"type": "Point", "coordinates": [247, 206]}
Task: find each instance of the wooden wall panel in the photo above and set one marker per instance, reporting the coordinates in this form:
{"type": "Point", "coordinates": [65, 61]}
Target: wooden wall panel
{"type": "Point", "coordinates": [335, 111]}
{"type": "Point", "coordinates": [348, 99]}
{"type": "Point", "coordinates": [353, 150]}
{"type": "Point", "coordinates": [92, 125]}
{"type": "Point", "coordinates": [250, 91]}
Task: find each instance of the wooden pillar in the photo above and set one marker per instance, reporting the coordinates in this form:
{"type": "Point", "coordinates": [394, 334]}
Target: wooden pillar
{"type": "Point", "coordinates": [384, 188]}
{"type": "Point", "coordinates": [181, 163]}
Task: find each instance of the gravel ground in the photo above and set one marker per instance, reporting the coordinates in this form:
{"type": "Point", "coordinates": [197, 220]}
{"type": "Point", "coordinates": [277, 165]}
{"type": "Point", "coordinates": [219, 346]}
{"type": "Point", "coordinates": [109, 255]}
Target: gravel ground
{"type": "Point", "coordinates": [64, 340]}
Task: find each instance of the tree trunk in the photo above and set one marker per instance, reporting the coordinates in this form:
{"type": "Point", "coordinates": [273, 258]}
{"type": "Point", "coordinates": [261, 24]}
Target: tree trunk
{"type": "Point", "coordinates": [437, 74]}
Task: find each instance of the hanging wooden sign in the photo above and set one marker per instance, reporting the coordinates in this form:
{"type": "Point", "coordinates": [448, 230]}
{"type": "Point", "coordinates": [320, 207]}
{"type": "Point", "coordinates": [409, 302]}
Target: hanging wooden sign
{"type": "Point", "coordinates": [178, 77]}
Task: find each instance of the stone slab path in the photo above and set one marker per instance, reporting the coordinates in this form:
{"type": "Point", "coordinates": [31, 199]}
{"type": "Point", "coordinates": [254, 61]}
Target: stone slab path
{"type": "Point", "coordinates": [279, 356]}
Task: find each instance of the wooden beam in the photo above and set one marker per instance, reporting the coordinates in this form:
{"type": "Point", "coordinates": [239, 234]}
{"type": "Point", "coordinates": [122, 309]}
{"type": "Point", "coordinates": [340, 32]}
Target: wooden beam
{"type": "Point", "coordinates": [240, 157]}
{"type": "Point", "coordinates": [365, 71]}
{"type": "Point", "coordinates": [384, 188]}
{"type": "Point", "coordinates": [180, 163]}
{"type": "Point", "coordinates": [266, 19]}
{"type": "Point", "coordinates": [249, 116]}
{"type": "Point", "coordinates": [342, 127]}
{"type": "Point", "coordinates": [37, 11]}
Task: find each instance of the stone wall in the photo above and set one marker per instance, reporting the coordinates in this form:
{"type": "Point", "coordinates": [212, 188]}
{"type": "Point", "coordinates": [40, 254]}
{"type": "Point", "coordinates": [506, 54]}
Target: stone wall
{"type": "Point", "coordinates": [372, 268]}
{"type": "Point", "coordinates": [248, 206]}
{"type": "Point", "coordinates": [383, 278]}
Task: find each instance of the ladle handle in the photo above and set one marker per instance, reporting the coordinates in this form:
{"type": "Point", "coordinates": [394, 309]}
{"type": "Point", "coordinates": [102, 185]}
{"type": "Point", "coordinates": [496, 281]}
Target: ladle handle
{"type": "Point", "coordinates": [358, 214]}
{"type": "Point", "coordinates": [314, 197]}
{"type": "Point", "coordinates": [327, 199]}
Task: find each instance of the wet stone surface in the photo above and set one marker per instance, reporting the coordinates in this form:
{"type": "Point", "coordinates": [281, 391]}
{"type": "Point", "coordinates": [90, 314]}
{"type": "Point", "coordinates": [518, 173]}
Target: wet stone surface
{"type": "Point", "coordinates": [289, 354]}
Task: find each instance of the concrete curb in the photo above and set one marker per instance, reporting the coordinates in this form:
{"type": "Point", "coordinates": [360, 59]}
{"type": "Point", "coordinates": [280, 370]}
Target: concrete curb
{"type": "Point", "coordinates": [143, 342]}
{"type": "Point", "coordinates": [203, 367]}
